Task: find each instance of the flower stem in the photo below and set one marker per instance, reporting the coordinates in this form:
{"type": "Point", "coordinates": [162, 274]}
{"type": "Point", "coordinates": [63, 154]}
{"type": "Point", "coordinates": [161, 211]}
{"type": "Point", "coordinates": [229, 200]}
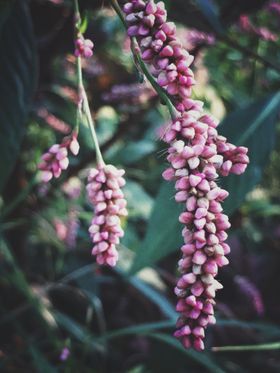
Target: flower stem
{"type": "Point", "coordinates": [135, 51]}
{"type": "Point", "coordinates": [262, 347]}
{"type": "Point", "coordinates": [83, 104]}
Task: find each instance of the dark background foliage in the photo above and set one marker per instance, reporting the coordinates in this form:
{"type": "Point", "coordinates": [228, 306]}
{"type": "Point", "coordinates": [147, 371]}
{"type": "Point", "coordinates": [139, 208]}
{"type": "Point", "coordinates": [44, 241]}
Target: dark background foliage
{"type": "Point", "coordinates": [53, 295]}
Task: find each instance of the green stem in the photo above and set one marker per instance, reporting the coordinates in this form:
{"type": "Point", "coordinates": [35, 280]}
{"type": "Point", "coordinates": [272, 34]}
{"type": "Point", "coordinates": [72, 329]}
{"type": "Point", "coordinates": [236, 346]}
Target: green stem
{"type": "Point", "coordinates": [135, 51]}
{"type": "Point", "coordinates": [83, 104]}
{"type": "Point", "coordinates": [262, 347]}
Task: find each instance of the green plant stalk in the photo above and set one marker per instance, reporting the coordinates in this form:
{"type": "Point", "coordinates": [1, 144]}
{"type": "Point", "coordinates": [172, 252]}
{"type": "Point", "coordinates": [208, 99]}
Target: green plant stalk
{"type": "Point", "coordinates": [135, 51]}
{"type": "Point", "coordinates": [262, 347]}
{"type": "Point", "coordinates": [83, 104]}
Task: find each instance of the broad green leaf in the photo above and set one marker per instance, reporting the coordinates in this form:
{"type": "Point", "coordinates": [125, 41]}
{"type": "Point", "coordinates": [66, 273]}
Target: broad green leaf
{"type": "Point", "coordinates": [155, 296]}
{"type": "Point", "coordinates": [209, 11]}
{"type": "Point", "coordinates": [164, 231]}
{"type": "Point", "coordinates": [265, 328]}
{"type": "Point", "coordinates": [79, 332]}
{"type": "Point", "coordinates": [139, 202]}
{"type": "Point", "coordinates": [17, 77]}
{"type": "Point", "coordinates": [135, 151]}
{"type": "Point", "coordinates": [203, 359]}
{"type": "Point", "coordinates": [106, 123]}
{"type": "Point", "coordinates": [137, 329]}
{"type": "Point", "coordinates": [254, 127]}
{"type": "Point", "coordinates": [40, 362]}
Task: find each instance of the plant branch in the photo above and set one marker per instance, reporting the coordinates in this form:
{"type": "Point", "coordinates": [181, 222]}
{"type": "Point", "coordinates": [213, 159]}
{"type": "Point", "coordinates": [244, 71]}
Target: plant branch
{"type": "Point", "coordinates": [83, 104]}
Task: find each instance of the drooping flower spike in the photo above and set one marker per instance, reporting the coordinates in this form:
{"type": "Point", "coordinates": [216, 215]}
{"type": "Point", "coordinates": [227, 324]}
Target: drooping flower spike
{"type": "Point", "coordinates": [107, 198]}
{"type": "Point", "coordinates": [56, 159]}
{"type": "Point", "coordinates": [197, 156]}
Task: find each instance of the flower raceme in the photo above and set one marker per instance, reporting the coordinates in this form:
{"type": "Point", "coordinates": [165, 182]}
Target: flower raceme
{"type": "Point", "coordinates": [105, 194]}
{"type": "Point", "coordinates": [197, 156]}
{"type": "Point", "coordinates": [56, 159]}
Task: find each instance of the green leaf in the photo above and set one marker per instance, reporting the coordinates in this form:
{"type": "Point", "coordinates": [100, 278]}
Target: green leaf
{"type": "Point", "coordinates": [135, 151]}
{"type": "Point", "coordinates": [40, 362]}
{"type": "Point", "coordinates": [203, 359]}
{"type": "Point", "coordinates": [107, 124]}
{"type": "Point", "coordinates": [164, 231]}
{"type": "Point", "coordinates": [155, 296]}
{"type": "Point", "coordinates": [209, 11]}
{"type": "Point", "coordinates": [265, 328]}
{"type": "Point", "coordinates": [137, 329]}
{"type": "Point", "coordinates": [84, 24]}
{"type": "Point", "coordinates": [139, 202]}
{"type": "Point", "coordinates": [254, 127]}
{"type": "Point", "coordinates": [79, 332]}
{"type": "Point", "coordinates": [17, 66]}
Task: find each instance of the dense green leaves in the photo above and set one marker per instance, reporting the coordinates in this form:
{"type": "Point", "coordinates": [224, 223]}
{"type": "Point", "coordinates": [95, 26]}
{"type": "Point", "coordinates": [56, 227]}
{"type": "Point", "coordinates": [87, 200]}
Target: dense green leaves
{"type": "Point", "coordinates": [252, 126]}
{"type": "Point", "coordinates": [17, 66]}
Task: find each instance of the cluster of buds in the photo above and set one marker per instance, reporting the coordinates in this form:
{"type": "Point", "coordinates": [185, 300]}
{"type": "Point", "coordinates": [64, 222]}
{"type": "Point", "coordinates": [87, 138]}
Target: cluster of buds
{"type": "Point", "coordinates": [274, 6]}
{"type": "Point", "coordinates": [250, 290]}
{"type": "Point", "coordinates": [105, 194]}
{"type": "Point", "coordinates": [68, 231]}
{"type": "Point", "coordinates": [161, 49]}
{"type": "Point", "coordinates": [83, 47]}
{"type": "Point", "coordinates": [197, 38]}
{"type": "Point", "coordinates": [264, 33]}
{"type": "Point", "coordinates": [197, 156]}
{"type": "Point", "coordinates": [56, 159]}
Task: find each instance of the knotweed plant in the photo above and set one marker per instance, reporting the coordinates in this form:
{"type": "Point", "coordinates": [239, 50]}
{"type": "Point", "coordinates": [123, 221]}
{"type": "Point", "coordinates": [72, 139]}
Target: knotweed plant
{"type": "Point", "coordinates": [105, 182]}
{"type": "Point", "coordinates": [197, 155]}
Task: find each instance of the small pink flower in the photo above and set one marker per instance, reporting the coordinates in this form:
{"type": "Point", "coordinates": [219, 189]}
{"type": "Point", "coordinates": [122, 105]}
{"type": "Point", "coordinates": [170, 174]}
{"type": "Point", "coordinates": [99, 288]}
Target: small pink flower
{"type": "Point", "coordinates": [83, 47]}
{"type": "Point", "coordinates": [56, 159]}
{"type": "Point", "coordinates": [65, 353]}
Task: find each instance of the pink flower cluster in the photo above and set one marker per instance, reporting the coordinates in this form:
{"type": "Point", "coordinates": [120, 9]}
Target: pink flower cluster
{"type": "Point", "coordinates": [56, 159]}
{"type": "Point", "coordinates": [160, 48]}
{"type": "Point", "coordinates": [274, 6]}
{"type": "Point", "coordinates": [83, 47]}
{"type": "Point", "coordinates": [250, 290]}
{"type": "Point", "coordinates": [197, 155]}
{"type": "Point", "coordinates": [105, 194]}
{"type": "Point", "coordinates": [196, 38]}
{"type": "Point", "coordinates": [263, 32]}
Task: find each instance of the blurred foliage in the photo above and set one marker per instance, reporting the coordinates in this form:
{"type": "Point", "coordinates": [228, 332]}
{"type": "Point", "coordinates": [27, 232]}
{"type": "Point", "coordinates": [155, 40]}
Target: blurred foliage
{"type": "Point", "coordinates": [55, 297]}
